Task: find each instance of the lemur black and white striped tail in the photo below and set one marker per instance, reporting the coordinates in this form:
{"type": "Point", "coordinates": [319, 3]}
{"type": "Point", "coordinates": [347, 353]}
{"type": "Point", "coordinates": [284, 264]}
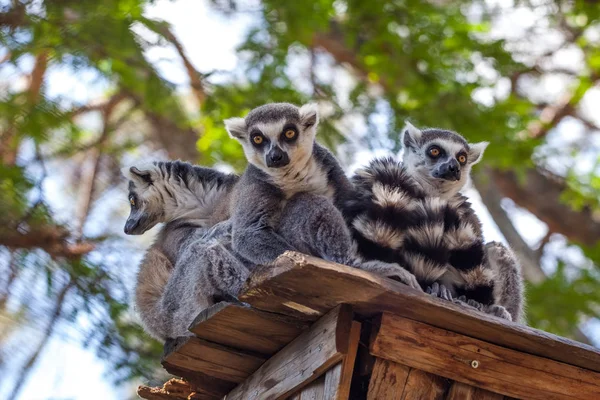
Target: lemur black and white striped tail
{"type": "Point", "coordinates": [437, 240]}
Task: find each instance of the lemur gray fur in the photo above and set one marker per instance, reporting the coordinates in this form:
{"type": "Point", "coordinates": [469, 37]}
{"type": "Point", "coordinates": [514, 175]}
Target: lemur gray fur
{"type": "Point", "coordinates": [189, 267]}
{"type": "Point", "coordinates": [411, 212]}
{"type": "Point", "coordinates": [287, 197]}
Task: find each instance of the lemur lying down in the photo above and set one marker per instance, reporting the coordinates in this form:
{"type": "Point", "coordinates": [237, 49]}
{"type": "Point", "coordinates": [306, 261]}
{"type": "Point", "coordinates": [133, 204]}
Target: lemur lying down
{"type": "Point", "coordinates": [411, 212]}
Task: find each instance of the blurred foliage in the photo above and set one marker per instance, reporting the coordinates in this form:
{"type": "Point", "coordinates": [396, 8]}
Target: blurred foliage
{"type": "Point", "coordinates": [370, 65]}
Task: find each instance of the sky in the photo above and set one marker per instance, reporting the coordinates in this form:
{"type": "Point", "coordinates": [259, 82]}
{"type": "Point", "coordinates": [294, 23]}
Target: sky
{"type": "Point", "coordinates": [67, 371]}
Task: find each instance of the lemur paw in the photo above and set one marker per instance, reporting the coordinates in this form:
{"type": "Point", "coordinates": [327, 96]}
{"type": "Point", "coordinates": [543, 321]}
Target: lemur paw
{"type": "Point", "coordinates": [498, 311]}
{"type": "Point", "coordinates": [463, 301]}
{"type": "Point", "coordinates": [439, 290]}
{"type": "Point", "coordinates": [397, 273]}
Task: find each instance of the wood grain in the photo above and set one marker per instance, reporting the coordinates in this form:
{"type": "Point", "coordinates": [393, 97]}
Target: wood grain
{"type": "Point", "coordinates": [393, 381]}
{"type": "Point", "coordinates": [302, 361]}
{"type": "Point", "coordinates": [207, 386]}
{"type": "Point", "coordinates": [307, 287]}
{"type": "Point", "coordinates": [173, 389]}
{"type": "Point", "coordinates": [424, 386]}
{"type": "Point", "coordinates": [461, 391]}
{"type": "Point", "coordinates": [387, 381]}
{"type": "Point", "coordinates": [339, 378]}
{"type": "Point", "coordinates": [245, 328]}
{"type": "Point", "coordinates": [498, 369]}
{"type": "Point", "coordinates": [212, 359]}
{"type": "Point", "coordinates": [334, 383]}
{"type": "Point", "coordinates": [315, 390]}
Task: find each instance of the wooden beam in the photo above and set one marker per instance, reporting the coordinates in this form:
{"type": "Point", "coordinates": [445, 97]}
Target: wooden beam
{"type": "Point", "coordinates": [307, 287]}
{"type": "Point", "coordinates": [302, 361]}
{"type": "Point", "coordinates": [461, 391]}
{"type": "Point", "coordinates": [339, 378]}
{"type": "Point", "coordinates": [479, 363]}
{"type": "Point", "coordinates": [245, 328]}
{"type": "Point", "coordinates": [212, 367]}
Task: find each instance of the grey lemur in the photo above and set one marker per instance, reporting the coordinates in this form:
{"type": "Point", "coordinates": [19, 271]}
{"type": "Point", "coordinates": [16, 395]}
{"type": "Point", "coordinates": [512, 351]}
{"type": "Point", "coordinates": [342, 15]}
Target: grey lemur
{"type": "Point", "coordinates": [287, 197]}
{"type": "Point", "coordinates": [412, 213]}
{"type": "Point", "coordinates": [189, 267]}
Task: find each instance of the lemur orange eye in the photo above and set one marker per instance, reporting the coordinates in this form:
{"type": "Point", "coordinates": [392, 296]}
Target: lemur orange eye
{"type": "Point", "coordinates": [434, 152]}
{"type": "Point", "coordinates": [132, 201]}
{"type": "Point", "coordinates": [257, 139]}
{"type": "Point", "coordinates": [290, 133]}
{"type": "Point", "coordinates": [462, 159]}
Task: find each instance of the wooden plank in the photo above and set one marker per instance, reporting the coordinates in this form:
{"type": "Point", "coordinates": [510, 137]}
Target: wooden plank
{"type": "Point", "coordinates": [315, 390]}
{"type": "Point", "coordinates": [245, 328]}
{"type": "Point", "coordinates": [212, 359]}
{"type": "Point", "coordinates": [387, 381]}
{"type": "Point", "coordinates": [334, 383]}
{"type": "Point", "coordinates": [461, 391]}
{"type": "Point", "coordinates": [424, 386]}
{"type": "Point", "coordinates": [213, 369]}
{"type": "Point", "coordinates": [302, 361]}
{"type": "Point", "coordinates": [307, 287]}
{"type": "Point", "coordinates": [478, 363]}
{"type": "Point", "coordinates": [339, 378]}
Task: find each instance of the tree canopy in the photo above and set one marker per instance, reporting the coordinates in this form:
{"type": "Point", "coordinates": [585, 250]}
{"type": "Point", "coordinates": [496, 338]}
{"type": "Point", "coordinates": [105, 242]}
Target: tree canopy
{"type": "Point", "coordinates": [531, 88]}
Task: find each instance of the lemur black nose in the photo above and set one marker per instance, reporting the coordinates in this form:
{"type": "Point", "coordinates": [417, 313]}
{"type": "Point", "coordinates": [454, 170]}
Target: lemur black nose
{"type": "Point", "coordinates": [131, 225]}
{"type": "Point", "coordinates": [277, 158]}
{"type": "Point", "coordinates": [449, 171]}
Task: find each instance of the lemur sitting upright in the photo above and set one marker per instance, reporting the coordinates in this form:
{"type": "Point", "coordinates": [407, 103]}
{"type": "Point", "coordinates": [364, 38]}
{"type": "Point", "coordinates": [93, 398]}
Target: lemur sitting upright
{"type": "Point", "coordinates": [189, 267]}
{"type": "Point", "coordinates": [411, 212]}
{"type": "Point", "coordinates": [287, 197]}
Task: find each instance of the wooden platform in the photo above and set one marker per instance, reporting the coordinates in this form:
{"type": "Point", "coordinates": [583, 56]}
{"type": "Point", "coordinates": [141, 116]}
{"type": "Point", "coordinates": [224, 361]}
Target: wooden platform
{"type": "Point", "coordinates": [311, 329]}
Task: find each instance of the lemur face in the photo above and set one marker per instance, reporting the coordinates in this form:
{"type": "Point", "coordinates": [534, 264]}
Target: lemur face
{"type": "Point", "coordinates": [147, 202]}
{"type": "Point", "coordinates": [440, 160]}
{"type": "Point", "coordinates": [276, 135]}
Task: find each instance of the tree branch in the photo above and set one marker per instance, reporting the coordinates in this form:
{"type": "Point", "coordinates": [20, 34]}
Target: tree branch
{"type": "Point", "coordinates": [180, 142]}
{"type": "Point", "coordinates": [193, 74]}
{"type": "Point", "coordinates": [550, 117]}
{"type": "Point", "coordinates": [9, 142]}
{"type": "Point", "coordinates": [87, 185]}
{"type": "Point", "coordinates": [540, 193]}
{"type": "Point", "coordinates": [527, 256]}
{"type": "Point", "coordinates": [52, 239]}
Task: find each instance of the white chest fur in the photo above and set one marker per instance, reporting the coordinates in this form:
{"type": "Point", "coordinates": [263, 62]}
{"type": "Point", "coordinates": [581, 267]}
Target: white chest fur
{"type": "Point", "coordinates": [308, 179]}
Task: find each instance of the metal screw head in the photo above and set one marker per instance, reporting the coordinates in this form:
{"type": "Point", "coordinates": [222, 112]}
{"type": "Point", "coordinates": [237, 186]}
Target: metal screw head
{"type": "Point", "coordinates": [474, 363]}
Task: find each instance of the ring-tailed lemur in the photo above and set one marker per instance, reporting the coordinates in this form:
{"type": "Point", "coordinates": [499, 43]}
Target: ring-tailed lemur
{"type": "Point", "coordinates": [189, 266]}
{"type": "Point", "coordinates": [287, 197]}
{"type": "Point", "coordinates": [411, 212]}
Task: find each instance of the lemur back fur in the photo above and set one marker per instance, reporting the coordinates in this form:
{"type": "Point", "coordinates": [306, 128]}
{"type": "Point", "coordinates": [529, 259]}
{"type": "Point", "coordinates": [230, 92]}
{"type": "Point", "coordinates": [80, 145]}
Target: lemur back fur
{"type": "Point", "coordinates": [189, 200]}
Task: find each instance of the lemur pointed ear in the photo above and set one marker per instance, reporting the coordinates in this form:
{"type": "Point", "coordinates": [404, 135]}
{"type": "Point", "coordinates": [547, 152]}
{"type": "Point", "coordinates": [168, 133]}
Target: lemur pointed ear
{"type": "Point", "coordinates": [411, 136]}
{"type": "Point", "coordinates": [476, 152]}
{"type": "Point", "coordinates": [309, 115]}
{"type": "Point", "coordinates": [236, 127]}
{"type": "Point", "coordinates": [138, 174]}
